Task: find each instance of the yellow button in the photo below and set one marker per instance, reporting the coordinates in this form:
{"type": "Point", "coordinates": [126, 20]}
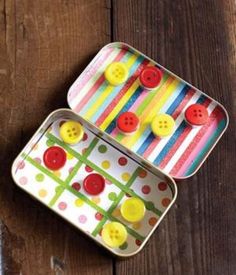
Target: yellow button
{"type": "Point", "coordinates": [71, 132]}
{"type": "Point", "coordinates": [116, 73]}
{"type": "Point", "coordinates": [133, 210]}
{"type": "Point", "coordinates": [163, 125]}
{"type": "Point", "coordinates": [114, 234]}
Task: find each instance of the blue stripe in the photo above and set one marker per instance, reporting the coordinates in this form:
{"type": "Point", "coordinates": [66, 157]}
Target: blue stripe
{"type": "Point", "coordinates": [115, 91]}
{"type": "Point", "coordinates": [163, 109]}
{"type": "Point", "coordinates": [170, 111]}
{"type": "Point", "coordinates": [207, 147]}
{"type": "Point", "coordinates": [126, 107]}
{"type": "Point", "coordinates": [173, 139]}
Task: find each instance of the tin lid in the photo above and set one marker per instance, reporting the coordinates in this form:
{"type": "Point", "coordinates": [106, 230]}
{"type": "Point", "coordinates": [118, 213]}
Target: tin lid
{"type": "Point", "coordinates": [99, 102]}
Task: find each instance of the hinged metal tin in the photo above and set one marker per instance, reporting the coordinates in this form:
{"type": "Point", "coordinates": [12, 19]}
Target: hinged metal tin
{"type": "Point", "coordinates": [139, 165]}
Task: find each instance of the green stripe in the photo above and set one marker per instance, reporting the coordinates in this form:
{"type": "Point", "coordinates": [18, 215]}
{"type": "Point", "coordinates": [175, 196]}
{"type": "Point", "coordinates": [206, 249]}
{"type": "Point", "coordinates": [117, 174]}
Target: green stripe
{"type": "Point", "coordinates": [149, 98]}
{"type": "Point", "coordinates": [102, 172]}
{"type": "Point", "coordinates": [206, 148]}
{"type": "Point", "coordinates": [75, 170]}
{"type": "Point", "coordinates": [81, 196]}
{"type": "Point", "coordinates": [115, 203]}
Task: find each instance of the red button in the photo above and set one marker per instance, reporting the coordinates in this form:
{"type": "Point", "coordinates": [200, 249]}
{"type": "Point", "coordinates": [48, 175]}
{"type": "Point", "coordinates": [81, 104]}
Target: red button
{"type": "Point", "coordinates": [196, 114]}
{"type": "Point", "coordinates": [94, 184]}
{"type": "Point", "coordinates": [150, 77]}
{"type": "Point", "coordinates": [54, 158]}
{"type": "Point", "coordinates": [128, 122]}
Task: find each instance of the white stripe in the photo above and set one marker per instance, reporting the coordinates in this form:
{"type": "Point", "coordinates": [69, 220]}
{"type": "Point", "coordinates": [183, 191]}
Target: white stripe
{"type": "Point", "coordinates": [80, 94]}
{"type": "Point", "coordinates": [175, 158]}
{"type": "Point", "coordinates": [178, 121]}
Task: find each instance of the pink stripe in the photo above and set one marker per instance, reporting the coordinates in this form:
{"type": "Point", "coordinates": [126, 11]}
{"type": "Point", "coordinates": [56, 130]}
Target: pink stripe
{"type": "Point", "coordinates": [122, 92]}
{"type": "Point", "coordinates": [200, 145]}
{"type": "Point", "coordinates": [179, 141]}
{"type": "Point", "coordinates": [97, 84]}
{"type": "Point", "coordinates": [181, 161]}
{"type": "Point", "coordinates": [155, 142]}
{"type": "Point", "coordinates": [140, 99]}
{"type": "Point", "coordinates": [87, 77]}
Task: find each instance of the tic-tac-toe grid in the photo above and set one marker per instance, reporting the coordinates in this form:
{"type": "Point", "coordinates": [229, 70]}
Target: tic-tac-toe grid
{"type": "Point", "coordinates": [63, 191]}
{"type": "Point", "coordinates": [179, 154]}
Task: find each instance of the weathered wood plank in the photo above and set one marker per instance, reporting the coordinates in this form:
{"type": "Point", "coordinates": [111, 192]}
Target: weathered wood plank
{"type": "Point", "coordinates": [196, 40]}
{"type": "Point", "coordinates": [44, 46]}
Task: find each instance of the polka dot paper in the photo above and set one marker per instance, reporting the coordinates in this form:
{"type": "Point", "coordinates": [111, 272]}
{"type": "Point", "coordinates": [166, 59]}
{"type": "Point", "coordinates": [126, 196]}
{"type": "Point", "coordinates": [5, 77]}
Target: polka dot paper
{"type": "Point", "coordinates": [67, 192]}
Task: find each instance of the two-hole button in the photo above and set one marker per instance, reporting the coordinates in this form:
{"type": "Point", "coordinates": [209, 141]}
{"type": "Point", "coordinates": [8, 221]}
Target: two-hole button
{"type": "Point", "coordinates": [162, 125]}
{"type": "Point", "coordinates": [114, 234]}
{"type": "Point", "coordinates": [116, 73]}
{"type": "Point", "coordinates": [71, 132]}
{"type": "Point", "coordinates": [196, 114]}
{"type": "Point", "coordinates": [127, 122]}
{"type": "Point", "coordinates": [54, 158]}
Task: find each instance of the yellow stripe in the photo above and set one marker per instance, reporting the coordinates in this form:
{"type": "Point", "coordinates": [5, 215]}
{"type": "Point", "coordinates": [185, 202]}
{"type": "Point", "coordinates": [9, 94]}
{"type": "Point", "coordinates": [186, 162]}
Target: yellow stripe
{"type": "Point", "coordinates": [120, 104]}
{"type": "Point", "coordinates": [107, 91]}
{"type": "Point", "coordinates": [150, 112]}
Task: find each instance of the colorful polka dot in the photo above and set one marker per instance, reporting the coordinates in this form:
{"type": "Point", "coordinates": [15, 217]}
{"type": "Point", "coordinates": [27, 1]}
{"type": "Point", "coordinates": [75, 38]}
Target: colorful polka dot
{"type": "Point", "coordinates": [50, 143]}
{"type": "Point", "coordinates": [106, 164]}
{"type": "Point", "coordinates": [112, 196]}
{"type": "Point", "coordinates": [42, 193]}
{"type": "Point", "coordinates": [108, 182]}
{"type": "Point", "coordinates": [84, 151]}
{"type": "Point", "coordinates": [142, 173]}
{"type": "Point", "coordinates": [59, 189]}
{"type": "Point", "coordinates": [122, 161]}
{"type": "Point", "coordinates": [79, 202]}
{"type": "Point", "coordinates": [76, 186]}
{"type": "Point", "coordinates": [136, 225]}
{"type": "Point", "coordinates": [138, 242]}
{"type": "Point", "coordinates": [88, 169]}
{"type": "Point", "coordinates": [124, 246]}
{"type": "Point", "coordinates": [98, 216]}
{"type": "Point", "coordinates": [96, 200]}
{"type": "Point", "coordinates": [116, 212]}
{"type": "Point", "coordinates": [38, 160]}
{"type": "Point", "coordinates": [62, 205]}
{"type": "Point", "coordinates": [152, 221]}
{"type": "Point", "coordinates": [165, 202]}
{"type": "Point", "coordinates": [21, 165]}
{"type": "Point", "coordinates": [39, 177]}
{"type": "Point", "coordinates": [69, 156]}
{"type": "Point", "coordinates": [125, 176]}
{"type": "Point", "coordinates": [102, 148]}
{"type": "Point", "coordinates": [23, 180]}
{"type": "Point", "coordinates": [82, 219]}
{"type": "Point", "coordinates": [57, 173]}
{"type": "Point", "coordinates": [146, 189]}
{"type": "Point", "coordinates": [85, 137]}
{"type": "Point", "coordinates": [162, 186]}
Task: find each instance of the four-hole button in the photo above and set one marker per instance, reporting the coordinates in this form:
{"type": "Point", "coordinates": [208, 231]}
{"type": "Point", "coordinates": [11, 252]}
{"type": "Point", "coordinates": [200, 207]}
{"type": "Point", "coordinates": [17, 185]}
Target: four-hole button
{"type": "Point", "coordinates": [71, 132]}
{"type": "Point", "coordinates": [150, 77]}
{"type": "Point", "coordinates": [127, 122]}
{"type": "Point", "coordinates": [162, 125]}
{"type": "Point", "coordinates": [196, 114]}
{"type": "Point", "coordinates": [114, 234]}
{"type": "Point", "coordinates": [116, 73]}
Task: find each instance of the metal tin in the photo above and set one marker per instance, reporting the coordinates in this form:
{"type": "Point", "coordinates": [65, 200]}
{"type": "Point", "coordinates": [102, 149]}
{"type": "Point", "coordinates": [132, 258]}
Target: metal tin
{"type": "Point", "coordinates": [182, 153]}
{"type": "Point", "coordinates": [55, 189]}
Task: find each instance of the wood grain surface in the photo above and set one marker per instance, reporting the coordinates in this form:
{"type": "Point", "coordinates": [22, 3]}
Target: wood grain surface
{"type": "Point", "coordinates": [44, 46]}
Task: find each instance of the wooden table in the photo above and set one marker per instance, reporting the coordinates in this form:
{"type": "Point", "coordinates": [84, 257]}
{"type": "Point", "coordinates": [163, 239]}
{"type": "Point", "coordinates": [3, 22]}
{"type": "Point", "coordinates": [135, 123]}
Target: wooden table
{"type": "Point", "coordinates": [44, 46]}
